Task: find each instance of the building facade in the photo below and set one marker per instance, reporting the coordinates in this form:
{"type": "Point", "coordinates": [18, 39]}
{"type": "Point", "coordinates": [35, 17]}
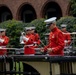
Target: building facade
{"type": "Point", "coordinates": [28, 10]}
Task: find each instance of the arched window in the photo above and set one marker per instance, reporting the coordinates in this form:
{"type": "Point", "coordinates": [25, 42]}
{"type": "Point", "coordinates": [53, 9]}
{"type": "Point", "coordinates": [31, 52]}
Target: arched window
{"type": "Point", "coordinates": [27, 13]}
{"type": "Point", "coordinates": [5, 14]}
{"type": "Point", "coordinates": [52, 9]}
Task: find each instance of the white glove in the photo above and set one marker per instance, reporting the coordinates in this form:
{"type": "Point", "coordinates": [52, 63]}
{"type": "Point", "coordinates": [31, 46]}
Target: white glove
{"type": "Point", "coordinates": [65, 41]}
{"type": "Point", "coordinates": [1, 40]}
{"type": "Point", "coordinates": [25, 38]}
{"type": "Point", "coordinates": [23, 33]}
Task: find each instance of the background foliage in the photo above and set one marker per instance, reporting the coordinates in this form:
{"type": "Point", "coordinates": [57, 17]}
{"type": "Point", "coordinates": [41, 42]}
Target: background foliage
{"type": "Point", "coordinates": [69, 21]}
{"type": "Point", "coordinates": [73, 7]}
{"type": "Point", "coordinates": [14, 28]}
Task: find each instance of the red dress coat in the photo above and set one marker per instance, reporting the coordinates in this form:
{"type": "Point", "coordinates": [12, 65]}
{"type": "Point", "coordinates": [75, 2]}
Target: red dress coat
{"type": "Point", "coordinates": [56, 42]}
{"type": "Point", "coordinates": [3, 45]}
{"type": "Point", "coordinates": [29, 45]}
{"type": "Point", "coordinates": [67, 37]}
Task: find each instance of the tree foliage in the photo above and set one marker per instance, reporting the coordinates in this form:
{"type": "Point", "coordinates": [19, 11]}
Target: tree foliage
{"type": "Point", "coordinates": [41, 28]}
{"type": "Point", "coordinates": [13, 30]}
{"type": "Point", "coordinates": [69, 21]}
{"type": "Point", "coordinates": [73, 7]}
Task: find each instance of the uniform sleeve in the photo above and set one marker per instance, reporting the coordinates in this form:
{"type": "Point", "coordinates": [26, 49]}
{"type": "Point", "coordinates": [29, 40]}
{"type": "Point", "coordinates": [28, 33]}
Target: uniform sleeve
{"type": "Point", "coordinates": [30, 41]}
{"type": "Point", "coordinates": [60, 43]}
{"type": "Point", "coordinates": [6, 41]}
{"type": "Point", "coordinates": [47, 46]}
{"type": "Point", "coordinates": [37, 38]}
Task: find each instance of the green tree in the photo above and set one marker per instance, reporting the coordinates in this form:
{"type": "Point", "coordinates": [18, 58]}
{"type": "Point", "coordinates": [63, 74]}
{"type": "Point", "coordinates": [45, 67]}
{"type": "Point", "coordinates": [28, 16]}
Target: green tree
{"type": "Point", "coordinates": [13, 30]}
{"type": "Point", "coordinates": [73, 7]}
{"type": "Point", "coordinates": [69, 21]}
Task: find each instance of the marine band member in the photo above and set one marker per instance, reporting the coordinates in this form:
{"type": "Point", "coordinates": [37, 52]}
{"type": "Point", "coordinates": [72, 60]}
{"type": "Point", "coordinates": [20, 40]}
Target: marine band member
{"type": "Point", "coordinates": [36, 37]}
{"type": "Point", "coordinates": [67, 36]}
{"type": "Point", "coordinates": [56, 39]}
{"type": "Point", "coordinates": [29, 42]}
{"type": "Point", "coordinates": [4, 40]}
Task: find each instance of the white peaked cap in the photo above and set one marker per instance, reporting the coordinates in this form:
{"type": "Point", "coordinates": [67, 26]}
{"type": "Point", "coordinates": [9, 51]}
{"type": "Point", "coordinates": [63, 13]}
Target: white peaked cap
{"type": "Point", "coordinates": [50, 20]}
{"type": "Point", "coordinates": [1, 29]}
{"type": "Point", "coordinates": [29, 28]}
{"type": "Point", "coordinates": [32, 27]}
{"type": "Point", "coordinates": [63, 25]}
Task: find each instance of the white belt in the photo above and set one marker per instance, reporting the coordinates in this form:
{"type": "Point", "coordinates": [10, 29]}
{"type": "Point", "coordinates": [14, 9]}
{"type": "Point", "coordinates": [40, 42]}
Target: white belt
{"type": "Point", "coordinates": [2, 46]}
{"type": "Point", "coordinates": [30, 45]}
{"type": "Point", "coordinates": [35, 42]}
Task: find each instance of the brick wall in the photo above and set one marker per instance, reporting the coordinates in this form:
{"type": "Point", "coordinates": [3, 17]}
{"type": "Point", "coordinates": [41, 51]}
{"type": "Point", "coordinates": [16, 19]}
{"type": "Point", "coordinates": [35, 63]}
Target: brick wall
{"type": "Point", "coordinates": [38, 5]}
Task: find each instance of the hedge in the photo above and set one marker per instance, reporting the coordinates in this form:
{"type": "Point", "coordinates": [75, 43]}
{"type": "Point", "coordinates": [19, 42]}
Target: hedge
{"type": "Point", "coordinates": [69, 21]}
{"type": "Point", "coordinates": [14, 28]}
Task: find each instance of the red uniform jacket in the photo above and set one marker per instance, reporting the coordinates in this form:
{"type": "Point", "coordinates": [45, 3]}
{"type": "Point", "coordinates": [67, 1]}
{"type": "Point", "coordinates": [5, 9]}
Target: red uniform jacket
{"type": "Point", "coordinates": [56, 42]}
{"type": "Point", "coordinates": [29, 45]}
{"type": "Point", "coordinates": [36, 39]}
{"type": "Point", "coordinates": [67, 37]}
{"type": "Point", "coordinates": [3, 45]}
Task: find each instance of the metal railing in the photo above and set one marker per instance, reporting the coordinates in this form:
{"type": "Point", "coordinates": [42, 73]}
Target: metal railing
{"type": "Point", "coordinates": [14, 64]}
